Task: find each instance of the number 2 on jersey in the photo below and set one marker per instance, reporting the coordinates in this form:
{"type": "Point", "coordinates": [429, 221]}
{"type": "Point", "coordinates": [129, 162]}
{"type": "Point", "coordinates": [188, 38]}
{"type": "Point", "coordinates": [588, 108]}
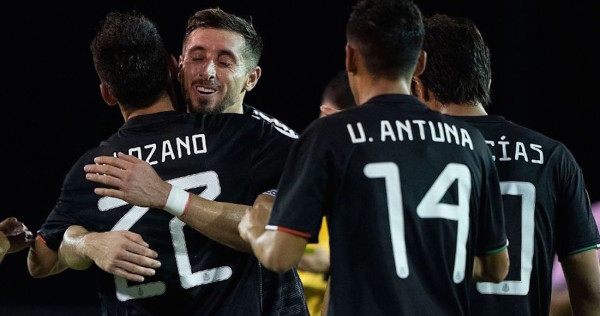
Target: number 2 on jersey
{"type": "Point", "coordinates": [188, 279]}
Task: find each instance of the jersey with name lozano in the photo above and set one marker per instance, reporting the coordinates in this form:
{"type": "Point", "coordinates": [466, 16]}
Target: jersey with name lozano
{"type": "Point", "coordinates": [224, 157]}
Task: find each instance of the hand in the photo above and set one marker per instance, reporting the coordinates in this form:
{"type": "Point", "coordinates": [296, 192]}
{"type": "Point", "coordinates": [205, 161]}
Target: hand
{"type": "Point", "coordinates": [136, 182]}
{"type": "Point", "coordinates": [254, 221]}
{"type": "Point", "coordinates": [122, 253]}
{"type": "Point", "coordinates": [19, 236]}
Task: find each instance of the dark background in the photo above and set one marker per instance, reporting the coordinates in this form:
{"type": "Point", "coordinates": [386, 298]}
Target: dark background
{"type": "Point", "coordinates": [544, 56]}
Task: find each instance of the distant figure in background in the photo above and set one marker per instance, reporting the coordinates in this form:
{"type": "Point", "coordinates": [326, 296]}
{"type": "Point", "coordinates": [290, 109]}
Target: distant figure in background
{"type": "Point", "coordinates": [337, 95]}
{"type": "Point", "coordinates": [560, 304]}
{"type": "Point", "coordinates": [313, 267]}
{"type": "Point", "coordinates": [546, 206]}
{"type": "Point", "coordinates": [14, 236]}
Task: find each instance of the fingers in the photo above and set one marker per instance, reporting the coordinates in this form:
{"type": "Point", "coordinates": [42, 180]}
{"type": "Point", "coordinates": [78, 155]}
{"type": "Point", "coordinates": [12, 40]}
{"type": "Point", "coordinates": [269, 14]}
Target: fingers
{"type": "Point", "coordinates": [113, 161]}
{"type": "Point", "coordinates": [129, 158]}
{"type": "Point", "coordinates": [132, 272]}
{"type": "Point", "coordinates": [140, 247]}
{"type": "Point", "coordinates": [109, 192]}
{"type": "Point", "coordinates": [104, 169]}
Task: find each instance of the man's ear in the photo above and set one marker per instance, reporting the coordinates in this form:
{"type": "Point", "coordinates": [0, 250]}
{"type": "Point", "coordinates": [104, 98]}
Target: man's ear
{"type": "Point", "coordinates": [421, 63]}
{"type": "Point", "coordinates": [173, 66]}
{"type": "Point", "coordinates": [417, 89]}
{"type": "Point", "coordinates": [107, 95]}
{"type": "Point", "coordinates": [253, 78]}
{"type": "Point", "coordinates": [350, 59]}
{"type": "Point", "coordinates": [180, 67]}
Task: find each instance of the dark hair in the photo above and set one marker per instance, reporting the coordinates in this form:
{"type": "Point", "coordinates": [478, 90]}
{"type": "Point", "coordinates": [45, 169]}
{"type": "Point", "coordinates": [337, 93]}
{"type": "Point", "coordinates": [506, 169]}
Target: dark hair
{"type": "Point", "coordinates": [458, 61]}
{"type": "Point", "coordinates": [218, 19]}
{"type": "Point", "coordinates": [389, 34]}
{"type": "Point", "coordinates": [338, 91]}
{"type": "Point", "coordinates": [130, 59]}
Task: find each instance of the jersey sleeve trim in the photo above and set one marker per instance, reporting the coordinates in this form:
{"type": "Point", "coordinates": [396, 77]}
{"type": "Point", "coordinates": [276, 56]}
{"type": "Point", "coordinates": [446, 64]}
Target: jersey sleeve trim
{"type": "Point", "coordinates": [287, 230]}
{"type": "Point", "coordinates": [494, 251]}
{"type": "Point", "coordinates": [574, 252]}
{"type": "Point", "coordinates": [39, 234]}
{"type": "Point", "coordinates": [272, 192]}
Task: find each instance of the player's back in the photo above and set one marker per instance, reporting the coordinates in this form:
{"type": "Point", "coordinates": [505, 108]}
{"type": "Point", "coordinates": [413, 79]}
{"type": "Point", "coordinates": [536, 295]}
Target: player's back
{"type": "Point", "coordinates": [225, 157]}
{"type": "Point", "coordinates": [546, 208]}
{"type": "Point", "coordinates": [413, 196]}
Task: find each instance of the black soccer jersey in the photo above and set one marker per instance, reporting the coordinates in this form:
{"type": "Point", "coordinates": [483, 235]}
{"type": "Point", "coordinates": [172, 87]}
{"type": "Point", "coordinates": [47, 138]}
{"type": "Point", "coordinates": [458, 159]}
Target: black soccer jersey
{"type": "Point", "coordinates": [410, 196]}
{"type": "Point", "coordinates": [546, 208]}
{"type": "Point", "coordinates": [223, 157]}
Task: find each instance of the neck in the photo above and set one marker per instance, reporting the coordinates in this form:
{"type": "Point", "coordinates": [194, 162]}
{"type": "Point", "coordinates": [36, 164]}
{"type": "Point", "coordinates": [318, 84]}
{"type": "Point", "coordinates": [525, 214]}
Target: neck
{"type": "Point", "coordinates": [161, 105]}
{"type": "Point", "coordinates": [463, 109]}
{"type": "Point", "coordinates": [369, 87]}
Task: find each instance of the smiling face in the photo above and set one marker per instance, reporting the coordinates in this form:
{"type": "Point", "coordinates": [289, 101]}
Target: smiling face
{"type": "Point", "coordinates": [213, 72]}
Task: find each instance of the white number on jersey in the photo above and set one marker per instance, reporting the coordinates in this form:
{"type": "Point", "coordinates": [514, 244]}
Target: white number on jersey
{"type": "Point", "coordinates": [188, 278]}
{"type": "Point", "coordinates": [429, 207]}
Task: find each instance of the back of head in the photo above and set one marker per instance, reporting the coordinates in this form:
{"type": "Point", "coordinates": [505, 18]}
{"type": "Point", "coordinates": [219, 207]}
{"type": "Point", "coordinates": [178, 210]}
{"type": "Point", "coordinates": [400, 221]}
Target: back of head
{"type": "Point", "coordinates": [130, 59]}
{"type": "Point", "coordinates": [458, 61]}
{"type": "Point", "coordinates": [338, 93]}
{"type": "Point", "coordinates": [389, 35]}
{"type": "Point", "coordinates": [216, 18]}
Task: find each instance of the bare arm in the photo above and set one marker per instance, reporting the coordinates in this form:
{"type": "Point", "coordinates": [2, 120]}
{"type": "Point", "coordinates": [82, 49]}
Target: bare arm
{"type": "Point", "coordinates": [122, 253]}
{"type": "Point", "coordinates": [4, 245]}
{"type": "Point", "coordinates": [137, 183]}
{"type": "Point", "coordinates": [43, 261]}
{"type": "Point", "coordinates": [491, 268]}
{"type": "Point", "coordinates": [582, 273]}
{"type": "Point", "coordinates": [277, 251]}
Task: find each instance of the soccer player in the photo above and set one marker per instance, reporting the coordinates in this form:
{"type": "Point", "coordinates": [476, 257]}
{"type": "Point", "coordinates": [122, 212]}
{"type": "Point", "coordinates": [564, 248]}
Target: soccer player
{"type": "Point", "coordinates": [412, 197]}
{"type": "Point", "coordinates": [546, 205]}
{"type": "Point", "coordinates": [165, 266]}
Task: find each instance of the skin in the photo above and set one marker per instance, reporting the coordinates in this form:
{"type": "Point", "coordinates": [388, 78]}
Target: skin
{"type": "Point", "coordinates": [213, 71]}
{"type": "Point", "coordinates": [582, 273]}
{"type": "Point", "coordinates": [280, 251]}
{"type": "Point", "coordinates": [14, 236]}
{"type": "Point", "coordinates": [214, 77]}
{"type": "Point", "coordinates": [78, 250]}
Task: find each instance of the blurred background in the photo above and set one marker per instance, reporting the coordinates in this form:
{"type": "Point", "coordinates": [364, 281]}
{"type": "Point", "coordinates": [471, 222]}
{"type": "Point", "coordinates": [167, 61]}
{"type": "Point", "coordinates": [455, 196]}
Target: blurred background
{"type": "Point", "coordinates": [545, 66]}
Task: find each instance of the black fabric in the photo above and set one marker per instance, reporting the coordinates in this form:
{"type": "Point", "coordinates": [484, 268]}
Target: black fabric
{"type": "Point", "coordinates": [223, 157]}
{"type": "Point", "coordinates": [546, 209]}
{"type": "Point", "coordinates": [371, 170]}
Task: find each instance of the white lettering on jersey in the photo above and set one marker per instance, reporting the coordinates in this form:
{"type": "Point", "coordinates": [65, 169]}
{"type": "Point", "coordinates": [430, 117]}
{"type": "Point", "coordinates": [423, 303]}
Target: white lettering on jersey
{"type": "Point", "coordinates": [438, 132]}
{"type": "Point", "coordinates": [171, 149]}
{"type": "Point", "coordinates": [518, 151]}
{"type": "Point", "coordinates": [282, 128]}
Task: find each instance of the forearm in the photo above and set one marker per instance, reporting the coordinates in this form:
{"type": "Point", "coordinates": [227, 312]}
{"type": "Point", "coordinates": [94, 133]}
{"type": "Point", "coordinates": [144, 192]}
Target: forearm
{"type": "Point", "coordinates": [72, 249]}
{"type": "Point", "coordinates": [42, 261]}
{"type": "Point", "coordinates": [582, 273]}
{"type": "Point", "coordinates": [277, 251]}
{"type": "Point", "coordinates": [491, 268]}
{"type": "Point", "coordinates": [4, 246]}
{"type": "Point", "coordinates": [216, 220]}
